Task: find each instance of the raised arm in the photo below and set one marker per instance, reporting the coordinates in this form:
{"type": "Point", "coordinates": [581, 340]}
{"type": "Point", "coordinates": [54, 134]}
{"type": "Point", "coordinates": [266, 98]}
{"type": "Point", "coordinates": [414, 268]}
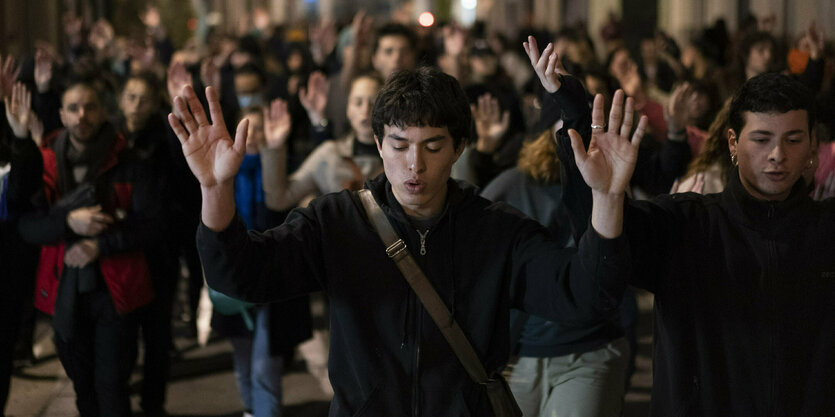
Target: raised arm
{"type": "Point", "coordinates": [279, 192]}
{"type": "Point", "coordinates": [211, 154]}
{"type": "Point", "coordinates": [608, 163]}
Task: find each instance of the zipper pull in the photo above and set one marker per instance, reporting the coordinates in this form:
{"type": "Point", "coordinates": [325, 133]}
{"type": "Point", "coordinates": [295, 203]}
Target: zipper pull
{"type": "Point", "coordinates": [422, 241]}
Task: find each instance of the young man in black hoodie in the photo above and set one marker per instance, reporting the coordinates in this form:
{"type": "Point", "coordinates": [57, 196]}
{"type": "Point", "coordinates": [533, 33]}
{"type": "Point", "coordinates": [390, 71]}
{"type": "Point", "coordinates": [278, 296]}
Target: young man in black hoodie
{"type": "Point", "coordinates": [387, 355]}
{"type": "Point", "coordinates": [744, 279]}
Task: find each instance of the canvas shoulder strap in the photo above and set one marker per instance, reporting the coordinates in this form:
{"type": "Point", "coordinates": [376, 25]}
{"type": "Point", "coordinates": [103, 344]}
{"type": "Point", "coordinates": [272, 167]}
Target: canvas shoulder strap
{"type": "Point", "coordinates": [396, 250]}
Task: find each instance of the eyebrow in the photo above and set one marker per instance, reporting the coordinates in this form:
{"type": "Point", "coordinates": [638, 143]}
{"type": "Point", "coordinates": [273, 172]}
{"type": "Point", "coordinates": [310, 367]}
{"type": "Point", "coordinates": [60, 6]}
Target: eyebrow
{"type": "Point", "coordinates": [770, 133]}
{"type": "Point", "coordinates": [435, 138]}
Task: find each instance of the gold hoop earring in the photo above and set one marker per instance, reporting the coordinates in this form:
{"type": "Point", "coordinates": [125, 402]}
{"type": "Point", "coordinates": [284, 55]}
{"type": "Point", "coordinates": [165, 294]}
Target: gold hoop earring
{"type": "Point", "coordinates": [734, 159]}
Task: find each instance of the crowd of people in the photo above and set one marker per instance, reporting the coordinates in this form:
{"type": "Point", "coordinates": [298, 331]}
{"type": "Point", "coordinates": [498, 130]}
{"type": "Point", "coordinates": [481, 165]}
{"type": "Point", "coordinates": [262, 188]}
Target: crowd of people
{"type": "Point", "coordinates": [116, 151]}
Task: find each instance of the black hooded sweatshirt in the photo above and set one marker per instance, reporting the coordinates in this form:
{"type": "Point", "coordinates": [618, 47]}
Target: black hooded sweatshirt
{"type": "Point", "coordinates": [387, 356]}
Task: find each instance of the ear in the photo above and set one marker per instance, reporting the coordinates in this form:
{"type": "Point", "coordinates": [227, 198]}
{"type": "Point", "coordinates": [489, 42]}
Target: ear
{"type": "Point", "coordinates": [732, 141]}
{"type": "Point", "coordinates": [460, 150]}
{"type": "Point", "coordinates": [379, 144]}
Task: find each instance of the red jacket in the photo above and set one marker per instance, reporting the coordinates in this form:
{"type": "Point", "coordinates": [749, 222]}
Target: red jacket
{"type": "Point", "coordinates": [125, 274]}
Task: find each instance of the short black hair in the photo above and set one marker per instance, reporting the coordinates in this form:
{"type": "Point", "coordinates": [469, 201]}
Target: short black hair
{"type": "Point", "coordinates": [395, 29]}
{"type": "Point", "coordinates": [155, 86]}
{"type": "Point", "coordinates": [425, 96]}
{"type": "Point", "coordinates": [771, 92]}
{"type": "Point", "coordinates": [84, 82]}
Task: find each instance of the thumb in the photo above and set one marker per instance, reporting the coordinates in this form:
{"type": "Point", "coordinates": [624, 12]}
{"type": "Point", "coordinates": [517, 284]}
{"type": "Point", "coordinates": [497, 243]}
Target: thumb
{"type": "Point", "coordinates": [577, 146]}
{"type": "Point", "coordinates": [240, 136]}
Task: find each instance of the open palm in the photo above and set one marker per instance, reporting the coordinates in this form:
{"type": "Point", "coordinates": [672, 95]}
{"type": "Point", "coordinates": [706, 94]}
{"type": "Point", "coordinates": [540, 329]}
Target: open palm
{"type": "Point", "coordinates": [608, 164]}
{"type": "Point", "coordinates": [277, 124]}
{"type": "Point", "coordinates": [211, 154]}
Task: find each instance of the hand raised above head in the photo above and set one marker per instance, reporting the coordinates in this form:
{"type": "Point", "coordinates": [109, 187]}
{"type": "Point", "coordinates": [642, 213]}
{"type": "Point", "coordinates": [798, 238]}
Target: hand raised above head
{"type": "Point", "coordinates": [277, 124]}
{"type": "Point", "coordinates": [548, 66]}
{"type": "Point", "coordinates": [491, 123]}
{"type": "Point", "coordinates": [8, 75]}
{"type": "Point", "coordinates": [212, 155]}
{"type": "Point", "coordinates": [314, 97]}
{"type": "Point", "coordinates": [608, 164]}
{"type": "Point", "coordinates": [18, 109]}
{"type": "Point", "coordinates": [178, 78]}
{"type": "Point", "coordinates": [694, 184]}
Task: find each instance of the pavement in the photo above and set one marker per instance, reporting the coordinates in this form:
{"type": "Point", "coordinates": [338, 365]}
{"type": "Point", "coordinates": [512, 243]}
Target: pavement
{"type": "Point", "coordinates": [203, 384]}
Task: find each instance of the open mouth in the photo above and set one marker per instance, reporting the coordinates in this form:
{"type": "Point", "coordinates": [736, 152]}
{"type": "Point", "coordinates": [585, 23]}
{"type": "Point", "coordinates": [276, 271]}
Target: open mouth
{"type": "Point", "coordinates": [414, 186]}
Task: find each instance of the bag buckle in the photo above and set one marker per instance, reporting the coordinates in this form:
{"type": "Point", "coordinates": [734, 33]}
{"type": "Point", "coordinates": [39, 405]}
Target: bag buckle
{"type": "Point", "coordinates": [396, 249]}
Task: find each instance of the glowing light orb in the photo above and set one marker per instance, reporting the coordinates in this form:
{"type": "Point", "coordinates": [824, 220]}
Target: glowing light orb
{"type": "Point", "coordinates": [426, 19]}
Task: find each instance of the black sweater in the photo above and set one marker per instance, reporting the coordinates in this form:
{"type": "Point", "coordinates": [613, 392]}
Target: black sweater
{"type": "Point", "coordinates": [387, 356]}
{"type": "Point", "coordinates": [744, 316]}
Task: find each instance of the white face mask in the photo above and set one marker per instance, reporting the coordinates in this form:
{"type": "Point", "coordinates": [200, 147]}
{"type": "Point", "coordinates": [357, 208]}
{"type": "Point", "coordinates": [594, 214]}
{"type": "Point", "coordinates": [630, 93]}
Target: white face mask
{"type": "Point", "coordinates": [249, 100]}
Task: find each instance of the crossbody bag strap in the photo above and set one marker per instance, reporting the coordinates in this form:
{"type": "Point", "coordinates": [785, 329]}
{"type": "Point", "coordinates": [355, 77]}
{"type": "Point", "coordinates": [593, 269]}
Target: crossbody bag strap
{"type": "Point", "coordinates": [396, 250]}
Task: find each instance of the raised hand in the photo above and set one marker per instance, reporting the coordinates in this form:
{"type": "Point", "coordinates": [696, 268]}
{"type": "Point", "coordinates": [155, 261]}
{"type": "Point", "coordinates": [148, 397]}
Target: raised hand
{"type": "Point", "coordinates": [211, 154]}
{"type": "Point", "coordinates": [677, 107]}
{"type": "Point", "coordinates": [82, 253]}
{"type": "Point", "coordinates": [314, 97]}
{"type": "Point", "coordinates": [19, 110]}
{"type": "Point", "coordinates": [88, 221]}
{"type": "Point", "coordinates": [209, 73]}
{"type": "Point", "coordinates": [812, 41]}
{"type": "Point", "coordinates": [362, 27]}
{"type": "Point", "coordinates": [610, 160]}
{"type": "Point", "coordinates": [694, 185]}
{"type": "Point", "coordinates": [178, 78]}
{"type": "Point", "coordinates": [8, 75]}
{"type": "Point", "coordinates": [323, 39]}
{"type": "Point", "coordinates": [43, 69]}
{"type": "Point", "coordinates": [548, 66]}
{"type": "Point", "coordinates": [277, 124]}
{"type": "Point", "coordinates": [490, 122]}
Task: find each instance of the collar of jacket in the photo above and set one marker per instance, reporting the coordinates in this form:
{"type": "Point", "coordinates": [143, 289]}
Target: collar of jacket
{"type": "Point", "coordinates": [760, 214]}
{"type": "Point", "coordinates": [106, 148]}
{"type": "Point", "coordinates": [457, 193]}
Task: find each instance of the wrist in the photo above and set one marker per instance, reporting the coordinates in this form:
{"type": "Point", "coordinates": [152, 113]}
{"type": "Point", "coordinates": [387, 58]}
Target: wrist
{"type": "Point", "coordinates": [20, 133]}
{"type": "Point", "coordinates": [607, 214]}
{"type": "Point", "coordinates": [42, 87]}
{"type": "Point", "coordinates": [319, 123]}
{"type": "Point", "coordinates": [487, 144]}
{"type": "Point", "coordinates": [608, 198]}
{"type": "Point", "coordinates": [218, 208]}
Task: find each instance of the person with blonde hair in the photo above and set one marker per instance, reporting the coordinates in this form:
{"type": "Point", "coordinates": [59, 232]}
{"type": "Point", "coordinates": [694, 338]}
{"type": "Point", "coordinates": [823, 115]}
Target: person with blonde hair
{"type": "Point", "coordinates": [562, 369]}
